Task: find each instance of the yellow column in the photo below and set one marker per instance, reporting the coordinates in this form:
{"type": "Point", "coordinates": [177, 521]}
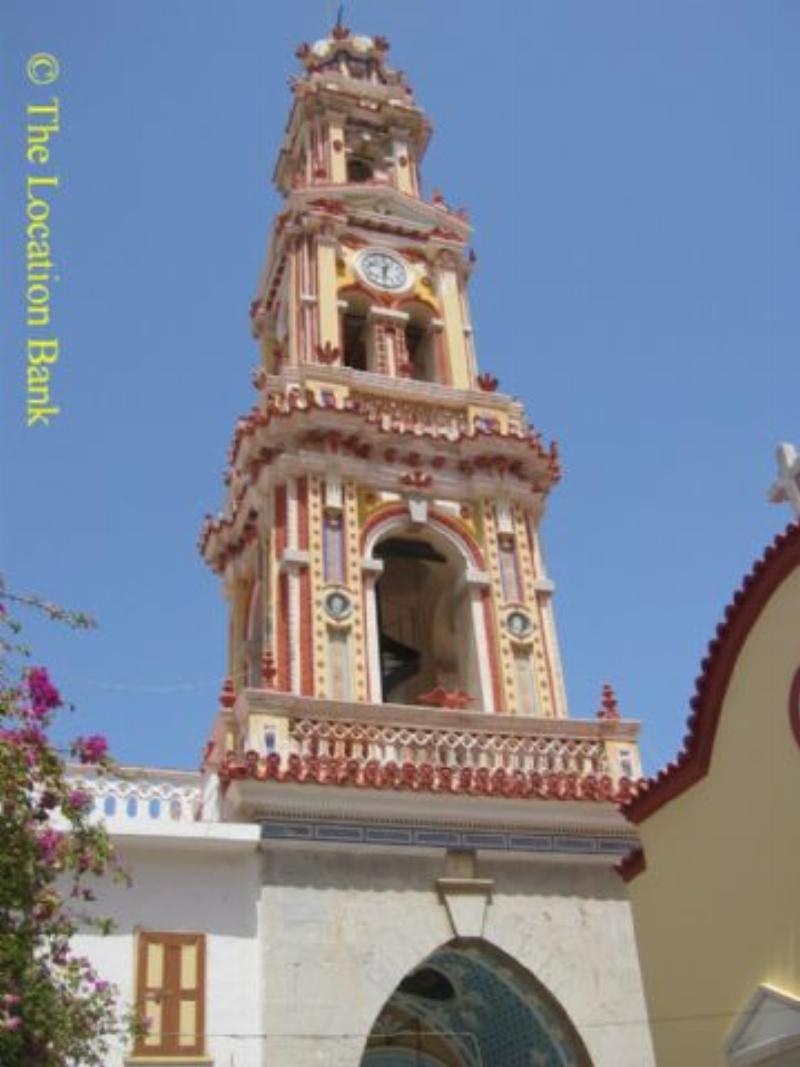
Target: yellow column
{"type": "Point", "coordinates": [327, 292]}
{"type": "Point", "coordinates": [402, 165]}
{"type": "Point", "coordinates": [450, 299]}
{"type": "Point", "coordinates": [337, 158]}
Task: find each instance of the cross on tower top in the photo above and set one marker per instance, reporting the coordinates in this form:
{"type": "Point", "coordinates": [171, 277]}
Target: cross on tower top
{"type": "Point", "coordinates": [786, 488]}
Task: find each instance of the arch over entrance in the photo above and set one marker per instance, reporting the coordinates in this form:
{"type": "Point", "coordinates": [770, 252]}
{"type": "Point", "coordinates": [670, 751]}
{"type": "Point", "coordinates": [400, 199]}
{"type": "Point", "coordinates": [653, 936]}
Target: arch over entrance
{"type": "Point", "coordinates": [470, 1005]}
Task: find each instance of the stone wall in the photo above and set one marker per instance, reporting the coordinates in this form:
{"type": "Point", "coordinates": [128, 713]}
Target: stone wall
{"type": "Point", "coordinates": [341, 929]}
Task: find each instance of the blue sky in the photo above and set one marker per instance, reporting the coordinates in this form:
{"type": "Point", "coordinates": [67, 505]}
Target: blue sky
{"type": "Point", "coordinates": [631, 170]}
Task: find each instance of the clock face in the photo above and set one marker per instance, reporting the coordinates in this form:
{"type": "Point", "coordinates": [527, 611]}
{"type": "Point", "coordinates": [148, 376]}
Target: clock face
{"type": "Point", "coordinates": [383, 270]}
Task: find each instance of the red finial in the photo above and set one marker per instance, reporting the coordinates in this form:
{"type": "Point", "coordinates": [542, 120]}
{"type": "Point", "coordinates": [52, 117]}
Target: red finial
{"type": "Point", "coordinates": [609, 711]}
{"type": "Point", "coordinates": [488, 383]}
{"type": "Point", "coordinates": [227, 695]}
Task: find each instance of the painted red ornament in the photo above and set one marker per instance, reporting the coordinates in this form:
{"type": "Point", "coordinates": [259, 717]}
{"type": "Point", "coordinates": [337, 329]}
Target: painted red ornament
{"type": "Point", "coordinates": [488, 383]}
{"type": "Point", "coordinates": [609, 710]}
{"type": "Point", "coordinates": [417, 480]}
{"type": "Point", "coordinates": [452, 699]}
{"type": "Point", "coordinates": [227, 696]}
{"type": "Point", "coordinates": [327, 353]}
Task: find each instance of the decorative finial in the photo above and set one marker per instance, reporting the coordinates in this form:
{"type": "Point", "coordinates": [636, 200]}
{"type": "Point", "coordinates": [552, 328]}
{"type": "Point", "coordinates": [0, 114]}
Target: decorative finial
{"type": "Point", "coordinates": [227, 696]}
{"type": "Point", "coordinates": [340, 31]}
{"type": "Point", "coordinates": [609, 710]}
{"type": "Point", "coordinates": [786, 488]}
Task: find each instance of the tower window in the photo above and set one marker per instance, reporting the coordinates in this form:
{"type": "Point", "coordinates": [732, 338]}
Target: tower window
{"type": "Point", "coordinates": [358, 169]}
{"type": "Point", "coordinates": [425, 630]}
{"type": "Point", "coordinates": [420, 344]}
{"type": "Point", "coordinates": [354, 333]}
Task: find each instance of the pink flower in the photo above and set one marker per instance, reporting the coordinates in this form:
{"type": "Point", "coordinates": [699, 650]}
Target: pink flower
{"type": "Point", "coordinates": [79, 800]}
{"type": "Point", "coordinates": [48, 844]}
{"type": "Point", "coordinates": [90, 749]}
{"type": "Point", "coordinates": [32, 735]}
{"type": "Point", "coordinates": [44, 695]}
{"type": "Point", "coordinates": [11, 1022]}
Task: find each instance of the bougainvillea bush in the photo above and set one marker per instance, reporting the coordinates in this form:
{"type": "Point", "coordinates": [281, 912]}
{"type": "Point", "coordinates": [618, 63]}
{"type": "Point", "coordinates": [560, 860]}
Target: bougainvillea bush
{"type": "Point", "coordinates": [55, 1011]}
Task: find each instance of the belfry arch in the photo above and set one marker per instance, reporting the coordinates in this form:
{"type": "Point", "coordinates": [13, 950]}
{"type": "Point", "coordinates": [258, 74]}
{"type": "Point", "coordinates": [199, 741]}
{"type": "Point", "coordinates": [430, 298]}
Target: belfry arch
{"type": "Point", "coordinates": [426, 623]}
{"type": "Point", "coordinates": [468, 1004]}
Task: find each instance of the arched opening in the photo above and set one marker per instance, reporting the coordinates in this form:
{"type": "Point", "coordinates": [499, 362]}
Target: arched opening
{"type": "Point", "coordinates": [368, 151]}
{"type": "Point", "coordinates": [421, 342]}
{"type": "Point", "coordinates": [470, 1005]}
{"type": "Point", "coordinates": [254, 638]}
{"type": "Point", "coordinates": [355, 332]}
{"type": "Point", "coordinates": [359, 169]}
{"type": "Point", "coordinates": [426, 636]}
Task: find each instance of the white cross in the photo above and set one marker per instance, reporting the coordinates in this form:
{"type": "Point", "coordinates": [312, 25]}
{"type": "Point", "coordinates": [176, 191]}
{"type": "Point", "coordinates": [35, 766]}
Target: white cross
{"type": "Point", "coordinates": [786, 489]}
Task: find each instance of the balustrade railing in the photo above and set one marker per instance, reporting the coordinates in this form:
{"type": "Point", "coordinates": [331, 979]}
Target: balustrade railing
{"type": "Point", "coordinates": [142, 796]}
{"type": "Point", "coordinates": [457, 748]}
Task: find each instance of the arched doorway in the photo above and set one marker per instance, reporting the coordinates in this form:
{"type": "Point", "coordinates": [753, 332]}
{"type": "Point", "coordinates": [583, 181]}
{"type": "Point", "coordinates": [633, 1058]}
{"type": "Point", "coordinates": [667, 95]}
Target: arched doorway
{"type": "Point", "coordinates": [470, 1005]}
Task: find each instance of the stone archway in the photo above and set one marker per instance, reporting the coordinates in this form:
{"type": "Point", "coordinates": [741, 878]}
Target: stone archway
{"type": "Point", "coordinates": [470, 1005]}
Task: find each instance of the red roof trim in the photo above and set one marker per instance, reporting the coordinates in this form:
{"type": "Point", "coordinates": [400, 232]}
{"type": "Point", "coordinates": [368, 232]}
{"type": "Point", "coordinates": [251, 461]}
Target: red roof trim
{"type": "Point", "coordinates": [425, 778]}
{"type": "Point", "coordinates": [692, 763]}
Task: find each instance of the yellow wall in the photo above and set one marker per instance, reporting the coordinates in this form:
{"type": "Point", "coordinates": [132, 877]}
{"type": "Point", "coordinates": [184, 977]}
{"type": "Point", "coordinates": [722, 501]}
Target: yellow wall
{"type": "Point", "coordinates": [717, 910]}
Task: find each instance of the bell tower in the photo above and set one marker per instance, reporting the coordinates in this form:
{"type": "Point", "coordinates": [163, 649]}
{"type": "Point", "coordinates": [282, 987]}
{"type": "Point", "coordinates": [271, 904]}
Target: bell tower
{"type": "Point", "coordinates": [380, 542]}
{"type": "Point", "coordinates": [391, 619]}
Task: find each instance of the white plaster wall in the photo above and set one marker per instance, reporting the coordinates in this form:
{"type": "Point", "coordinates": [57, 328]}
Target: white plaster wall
{"type": "Point", "coordinates": [341, 929]}
{"type": "Point", "coordinates": [178, 890]}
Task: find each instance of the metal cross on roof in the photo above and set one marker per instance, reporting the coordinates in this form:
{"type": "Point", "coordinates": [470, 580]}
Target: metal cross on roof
{"type": "Point", "coordinates": [786, 488]}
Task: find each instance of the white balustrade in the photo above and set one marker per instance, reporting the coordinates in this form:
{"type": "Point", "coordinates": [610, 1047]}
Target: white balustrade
{"type": "Point", "coordinates": [142, 796]}
{"type": "Point", "coordinates": [419, 745]}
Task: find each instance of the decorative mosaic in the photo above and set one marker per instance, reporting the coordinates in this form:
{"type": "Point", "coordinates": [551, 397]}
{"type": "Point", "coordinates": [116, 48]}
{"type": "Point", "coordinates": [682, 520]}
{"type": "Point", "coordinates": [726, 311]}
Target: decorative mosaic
{"type": "Point", "coordinates": [354, 833]}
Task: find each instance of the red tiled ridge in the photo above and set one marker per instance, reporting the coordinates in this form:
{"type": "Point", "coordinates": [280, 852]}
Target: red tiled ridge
{"type": "Point", "coordinates": [425, 778]}
{"type": "Point", "coordinates": [692, 762]}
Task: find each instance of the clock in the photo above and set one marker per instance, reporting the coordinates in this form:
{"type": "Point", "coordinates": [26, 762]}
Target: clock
{"type": "Point", "coordinates": [383, 270]}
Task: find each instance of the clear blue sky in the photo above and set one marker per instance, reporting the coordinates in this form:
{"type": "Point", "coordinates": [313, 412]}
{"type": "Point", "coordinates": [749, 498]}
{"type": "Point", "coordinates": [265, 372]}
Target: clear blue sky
{"type": "Point", "coordinates": [632, 169]}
